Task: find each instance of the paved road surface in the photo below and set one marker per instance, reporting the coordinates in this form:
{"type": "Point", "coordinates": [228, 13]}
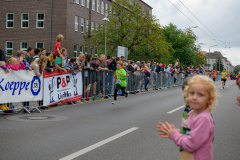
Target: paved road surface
{"type": "Point", "coordinates": [126, 131]}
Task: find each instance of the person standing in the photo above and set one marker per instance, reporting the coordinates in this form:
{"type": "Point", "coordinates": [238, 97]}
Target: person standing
{"type": "Point", "coordinates": [57, 48]}
{"type": "Point", "coordinates": [29, 54]}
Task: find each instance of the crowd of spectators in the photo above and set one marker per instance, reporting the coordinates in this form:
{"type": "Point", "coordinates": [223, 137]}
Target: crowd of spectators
{"type": "Point", "coordinates": [36, 59]}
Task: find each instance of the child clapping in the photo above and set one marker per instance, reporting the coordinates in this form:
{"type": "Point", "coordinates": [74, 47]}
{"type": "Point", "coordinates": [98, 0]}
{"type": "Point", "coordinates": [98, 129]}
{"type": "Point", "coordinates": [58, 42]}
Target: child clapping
{"type": "Point", "coordinates": [198, 134]}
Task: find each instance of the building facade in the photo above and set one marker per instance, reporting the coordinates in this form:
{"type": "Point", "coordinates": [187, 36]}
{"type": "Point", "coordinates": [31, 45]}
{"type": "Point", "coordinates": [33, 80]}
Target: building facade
{"type": "Point", "coordinates": [211, 60]}
{"type": "Point", "coordinates": [36, 23]}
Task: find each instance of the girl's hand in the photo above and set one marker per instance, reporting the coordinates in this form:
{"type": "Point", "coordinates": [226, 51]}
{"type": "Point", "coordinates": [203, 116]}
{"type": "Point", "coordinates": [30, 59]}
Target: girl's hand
{"type": "Point", "coordinates": [166, 130]}
{"type": "Point", "coordinates": [7, 70]}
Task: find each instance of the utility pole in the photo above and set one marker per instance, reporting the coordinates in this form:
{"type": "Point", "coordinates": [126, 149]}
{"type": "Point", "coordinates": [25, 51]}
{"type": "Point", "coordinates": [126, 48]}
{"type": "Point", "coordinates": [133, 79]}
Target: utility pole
{"type": "Point", "coordinates": [89, 28]}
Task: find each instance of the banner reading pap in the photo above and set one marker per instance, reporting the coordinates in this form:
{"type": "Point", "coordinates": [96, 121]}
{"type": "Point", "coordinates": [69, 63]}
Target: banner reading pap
{"type": "Point", "coordinates": [60, 87]}
{"type": "Point", "coordinates": [20, 86]}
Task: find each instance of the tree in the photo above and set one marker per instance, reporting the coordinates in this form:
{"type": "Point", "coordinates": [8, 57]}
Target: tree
{"type": "Point", "coordinates": [132, 27]}
{"type": "Point", "coordinates": [236, 69]}
{"type": "Point", "coordinates": [200, 59]}
{"type": "Point", "coordinates": [184, 45]}
{"type": "Point", "coordinates": [216, 65]}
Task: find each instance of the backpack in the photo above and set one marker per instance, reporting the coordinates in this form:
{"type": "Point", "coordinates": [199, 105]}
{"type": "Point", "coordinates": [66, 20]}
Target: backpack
{"type": "Point", "coordinates": [32, 59]}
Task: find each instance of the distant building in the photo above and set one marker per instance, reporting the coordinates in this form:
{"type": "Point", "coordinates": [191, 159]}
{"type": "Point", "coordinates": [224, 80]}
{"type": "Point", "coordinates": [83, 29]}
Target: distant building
{"type": "Point", "coordinates": [36, 23]}
{"type": "Point", "coordinates": [212, 57]}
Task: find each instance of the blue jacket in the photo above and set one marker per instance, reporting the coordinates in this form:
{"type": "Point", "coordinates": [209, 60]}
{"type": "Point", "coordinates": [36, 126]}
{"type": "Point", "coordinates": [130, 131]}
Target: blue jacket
{"type": "Point", "coordinates": [27, 66]}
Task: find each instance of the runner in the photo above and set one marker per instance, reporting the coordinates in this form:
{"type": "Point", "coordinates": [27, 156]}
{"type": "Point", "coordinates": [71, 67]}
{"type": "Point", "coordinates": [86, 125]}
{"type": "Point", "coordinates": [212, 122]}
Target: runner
{"type": "Point", "coordinates": [224, 77]}
{"type": "Point", "coordinates": [120, 82]}
{"type": "Point", "coordinates": [214, 75]}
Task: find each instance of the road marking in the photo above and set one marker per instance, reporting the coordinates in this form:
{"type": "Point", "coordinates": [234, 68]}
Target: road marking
{"type": "Point", "coordinates": [99, 144]}
{"type": "Point", "coordinates": [170, 112]}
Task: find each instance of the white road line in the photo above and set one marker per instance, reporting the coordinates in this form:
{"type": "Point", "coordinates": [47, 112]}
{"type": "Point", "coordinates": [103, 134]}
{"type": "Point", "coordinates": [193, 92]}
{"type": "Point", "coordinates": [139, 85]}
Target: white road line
{"type": "Point", "coordinates": [170, 112]}
{"type": "Point", "coordinates": [99, 144]}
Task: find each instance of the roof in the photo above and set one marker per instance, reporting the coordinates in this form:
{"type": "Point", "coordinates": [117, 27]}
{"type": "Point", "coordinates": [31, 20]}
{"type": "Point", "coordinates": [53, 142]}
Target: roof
{"type": "Point", "coordinates": [145, 4]}
{"type": "Point", "coordinates": [214, 55]}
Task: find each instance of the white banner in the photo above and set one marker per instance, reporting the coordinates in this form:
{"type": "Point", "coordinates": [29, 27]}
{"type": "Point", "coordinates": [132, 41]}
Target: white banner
{"type": "Point", "coordinates": [20, 86]}
{"type": "Point", "coordinates": [60, 87]}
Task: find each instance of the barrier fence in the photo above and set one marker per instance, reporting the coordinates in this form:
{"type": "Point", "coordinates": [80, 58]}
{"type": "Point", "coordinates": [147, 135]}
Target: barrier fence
{"type": "Point", "coordinates": [58, 87]}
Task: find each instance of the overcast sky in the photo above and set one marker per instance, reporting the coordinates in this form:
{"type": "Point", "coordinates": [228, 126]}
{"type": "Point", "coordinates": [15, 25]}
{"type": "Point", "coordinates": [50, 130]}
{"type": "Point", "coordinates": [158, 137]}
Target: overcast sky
{"type": "Point", "coordinates": [221, 17]}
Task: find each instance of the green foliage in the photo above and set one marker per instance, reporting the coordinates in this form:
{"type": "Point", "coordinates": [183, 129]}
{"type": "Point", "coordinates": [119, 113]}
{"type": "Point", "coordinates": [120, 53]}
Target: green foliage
{"type": "Point", "coordinates": [216, 65]}
{"type": "Point", "coordinates": [130, 27]}
{"type": "Point", "coordinates": [183, 43]}
{"type": "Point", "coordinates": [236, 69]}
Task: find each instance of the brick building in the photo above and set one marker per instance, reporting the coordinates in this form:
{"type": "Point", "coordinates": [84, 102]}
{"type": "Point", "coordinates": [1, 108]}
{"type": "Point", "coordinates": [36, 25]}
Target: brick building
{"type": "Point", "coordinates": [36, 23]}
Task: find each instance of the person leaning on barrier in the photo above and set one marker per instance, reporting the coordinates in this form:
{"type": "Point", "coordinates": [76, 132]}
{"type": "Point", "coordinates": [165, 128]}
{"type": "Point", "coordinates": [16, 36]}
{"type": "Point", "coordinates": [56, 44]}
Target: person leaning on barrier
{"type": "Point", "coordinates": [72, 65]}
{"type": "Point", "coordinates": [21, 53]}
{"type": "Point", "coordinates": [94, 65]}
{"type": "Point", "coordinates": [82, 61]}
{"type": "Point", "coordinates": [113, 64]}
{"type": "Point", "coordinates": [29, 54]}
{"type": "Point", "coordinates": [39, 65]}
{"type": "Point", "coordinates": [51, 63]}
{"type": "Point", "coordinates": [130, 66]}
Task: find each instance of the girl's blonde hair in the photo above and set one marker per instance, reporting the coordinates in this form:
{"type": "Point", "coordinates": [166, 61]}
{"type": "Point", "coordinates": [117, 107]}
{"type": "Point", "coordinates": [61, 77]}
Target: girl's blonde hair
{"type": "Point", "coordinates": [11, 60]}
{"type": "Point", "coordinates": [210, 86]}
{"type": "Point", "coordinates": [42, 62]}
{"type": "Point", "coordinates": [83, 62]}
{"type": "Point", "coordinates": [59, 38]}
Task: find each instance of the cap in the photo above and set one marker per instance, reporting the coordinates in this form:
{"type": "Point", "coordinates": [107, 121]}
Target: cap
{"type": "Point", "coordinates": [117, 58]}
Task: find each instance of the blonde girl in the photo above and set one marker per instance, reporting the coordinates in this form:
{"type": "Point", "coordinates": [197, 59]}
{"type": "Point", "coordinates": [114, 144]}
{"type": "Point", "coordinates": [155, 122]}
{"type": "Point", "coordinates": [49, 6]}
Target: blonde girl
{"type": "Point", "coordinates": [39, 65]}
{"type": "Point", "coordinates": [15, 64]}
{"type": "Point", "coordinates": [201, 95]}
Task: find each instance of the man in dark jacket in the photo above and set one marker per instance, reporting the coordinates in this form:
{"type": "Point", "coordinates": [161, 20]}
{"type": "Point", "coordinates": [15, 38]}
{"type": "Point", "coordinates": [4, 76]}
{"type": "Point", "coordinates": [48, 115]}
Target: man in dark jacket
{"type": "Point", "coordinates": [113, 64]}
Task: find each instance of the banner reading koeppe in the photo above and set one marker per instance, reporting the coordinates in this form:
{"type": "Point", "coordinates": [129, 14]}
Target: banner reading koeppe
{"type": "Point", "coordinates": [60, 87]}
{"type": "Point", "coordinates": [20, 86]}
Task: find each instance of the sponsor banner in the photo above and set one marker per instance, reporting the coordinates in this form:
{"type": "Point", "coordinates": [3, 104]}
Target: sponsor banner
{"type": "Point", "coordinates": [60, 87]}
{"type": "Point", "coordinates": [20, 86]}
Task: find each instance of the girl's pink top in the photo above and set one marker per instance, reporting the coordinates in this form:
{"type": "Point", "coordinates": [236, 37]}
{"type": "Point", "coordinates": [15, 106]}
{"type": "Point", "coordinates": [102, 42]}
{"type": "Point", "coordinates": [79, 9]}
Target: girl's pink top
{"type": "Point", "coordinates": [17, 67]}
{"type": "Point", "coordinates": [199, 141]}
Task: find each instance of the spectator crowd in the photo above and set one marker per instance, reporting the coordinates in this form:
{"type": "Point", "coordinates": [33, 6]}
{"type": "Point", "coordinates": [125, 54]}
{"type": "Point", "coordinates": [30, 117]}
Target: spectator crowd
{"type": "Point", "coordinates": [36, 60]}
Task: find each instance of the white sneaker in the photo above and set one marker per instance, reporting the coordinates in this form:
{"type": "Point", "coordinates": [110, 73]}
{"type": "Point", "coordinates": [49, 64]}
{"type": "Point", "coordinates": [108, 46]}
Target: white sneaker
{"type": "Point", "coordinates": [114, 102]}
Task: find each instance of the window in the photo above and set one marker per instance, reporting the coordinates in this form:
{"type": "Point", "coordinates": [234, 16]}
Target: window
{"type": "Point", "coordinates": [77, 1]}
{"type": "Point", "coordinates": [9, 20]}
{"type": "Point", "coordinates": [86, 26]}
{"type": "Point", "coordinates": [98, 5]}
{"type": "Point", "coordinates": [24, 46]}
{"type": "Point", "coordinates": [93, 5]}
{"type": "Point", "coordinates": [92, 27]}
{"type": "Point", "coordinates": [25, 20]}
{"type": "Point", "coordinates": [106, 9]}
{"type": "Point", "coordinates": [83, 2]}
{"type": "Point", "coordinates": [97, 25]}
{"type": "Point", "coordinates": [102, 8]}
{"type": "Point", "coordinates": [40, 20]}
{"type": "Point", "coordinates": [39, 45]}
{"type": "Point", "coordinates": [87, 3]}
{"type": "Point", "coordinates": [76, 23]}
{"type": "Point", "coordinates": [9, 46]}
{"type": "Point", "coordinates": [81, 49]}
{"type": "Point", "coordinates": [91, 50]}
{"type": "Point", "coordinates": [150, 11]}
{"type": "Point", "coordinates": [82, 25]}
{"type": "Point", "coordinates": [75, 50]}
{"type": "Point", "coordinates": [96, 51]}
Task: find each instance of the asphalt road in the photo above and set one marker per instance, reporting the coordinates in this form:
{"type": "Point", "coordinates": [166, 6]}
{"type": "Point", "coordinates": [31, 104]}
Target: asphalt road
{"type": "Point", "coordinates": [126, 131]}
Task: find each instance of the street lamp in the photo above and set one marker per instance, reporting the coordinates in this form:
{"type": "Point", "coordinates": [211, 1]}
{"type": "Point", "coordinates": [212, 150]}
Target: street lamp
{"type": "Point", "coordinates": [209, 53]}
{"type": "Point", "coordinates": [105, 20]}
